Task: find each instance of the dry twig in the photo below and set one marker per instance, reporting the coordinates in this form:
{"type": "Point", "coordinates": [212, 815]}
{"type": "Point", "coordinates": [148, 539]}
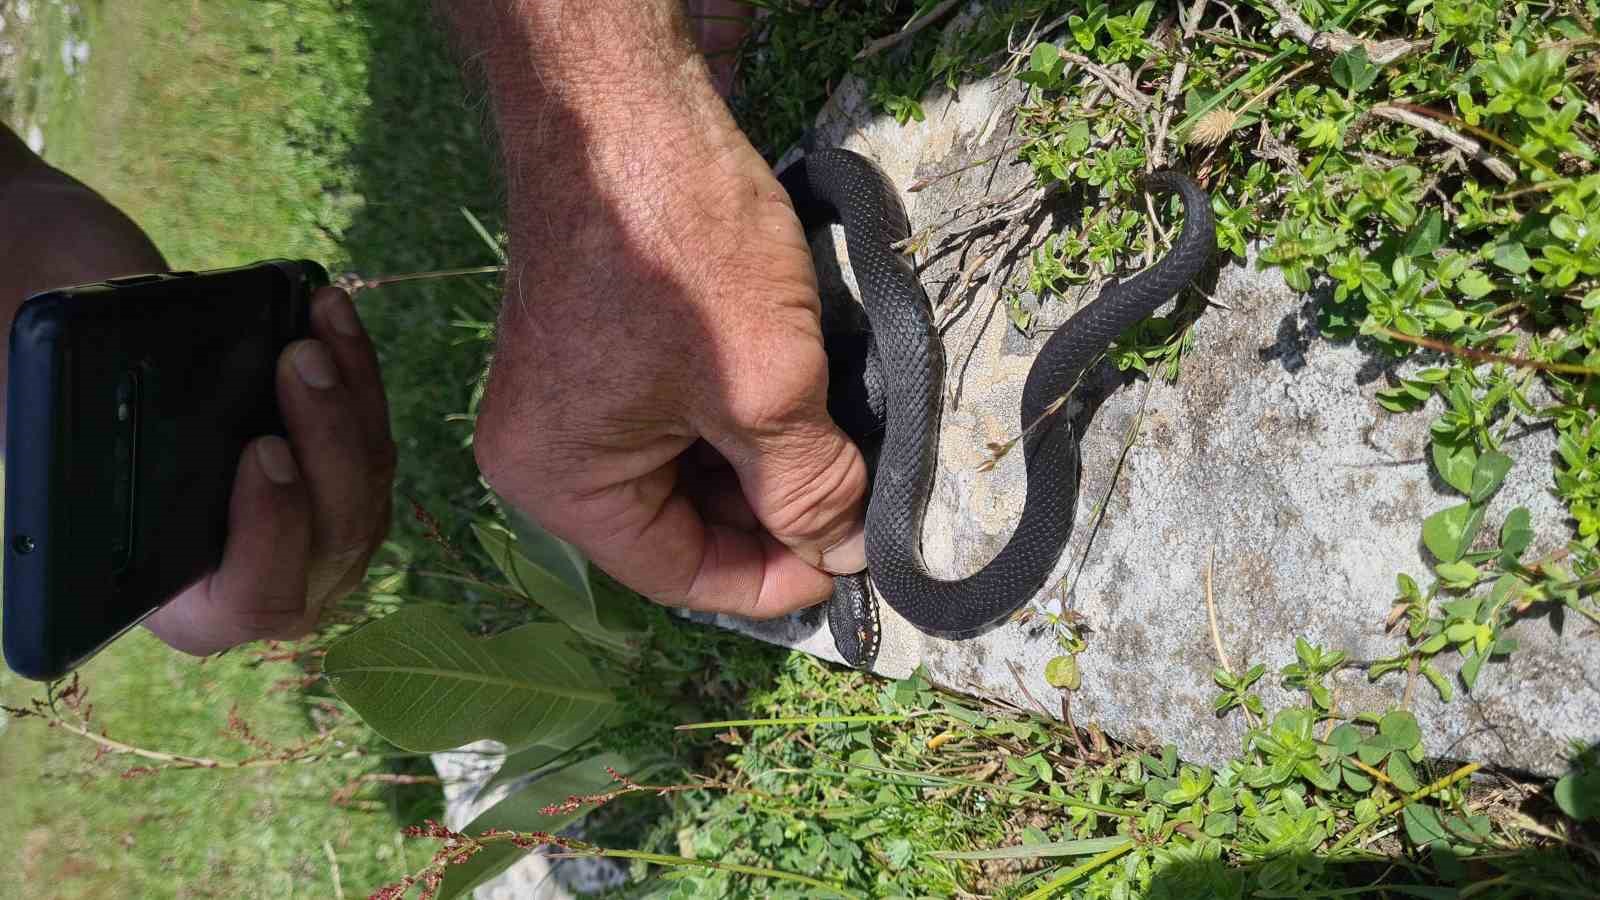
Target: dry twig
{"type": "Point", "coordinates": [353, 283]}
{"type": "Point", "coordinates": [1487, 357]}
{"type": "Point", "coordinates": [904, 34]}
{"type": "Point", "coordinates": [1175, 85]}
{"type": "Point", "coordinates": [1121, 87]}
{"type": "Point", "coordinates": [927, 181]}
{"type": "Point", "coordinates": [1379, 53]}
{"type": "Point", "coordinates": [1216, 633]}
{"type": "Point", "coordinates": [1444, 133]}
{"type": "Point", "coordinates": [1016, 672]}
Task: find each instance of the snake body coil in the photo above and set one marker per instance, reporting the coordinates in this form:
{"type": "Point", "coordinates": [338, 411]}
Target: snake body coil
{"type": "Point", "coordinates": [908, 366]}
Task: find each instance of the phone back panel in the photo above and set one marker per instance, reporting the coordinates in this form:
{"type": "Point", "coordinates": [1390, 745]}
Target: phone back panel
{"type": "Point", "coordinates": [128, 407]}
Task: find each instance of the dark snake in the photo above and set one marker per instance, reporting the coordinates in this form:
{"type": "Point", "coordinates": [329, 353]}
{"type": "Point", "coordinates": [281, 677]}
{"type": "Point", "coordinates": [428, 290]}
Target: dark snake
{"type": "Point", "coordinates": [901, 370]}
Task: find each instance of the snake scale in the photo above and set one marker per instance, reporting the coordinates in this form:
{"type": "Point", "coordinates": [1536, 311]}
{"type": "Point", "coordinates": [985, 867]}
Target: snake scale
{"type": "Point", "coordinates": [903, 374]}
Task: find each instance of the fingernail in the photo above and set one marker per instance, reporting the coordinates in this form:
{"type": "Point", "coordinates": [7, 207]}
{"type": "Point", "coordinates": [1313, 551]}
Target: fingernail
{"type": "Point", "coordinates": [847, 556]}
{"type": "Point", "coordinates": [314, 366]}
{"type": "Point", "coordinates": [342, 316]}
{"type": "Point", "coordinates": [276, 460]}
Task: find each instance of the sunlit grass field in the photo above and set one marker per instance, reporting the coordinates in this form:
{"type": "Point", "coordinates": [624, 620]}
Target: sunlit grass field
{"type": "Point", "coordinates": [235, 130]}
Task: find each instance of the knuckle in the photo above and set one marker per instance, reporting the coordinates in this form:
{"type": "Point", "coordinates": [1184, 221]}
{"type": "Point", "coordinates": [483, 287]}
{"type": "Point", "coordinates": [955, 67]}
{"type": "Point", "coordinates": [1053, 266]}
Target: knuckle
{"type": "Point", "coordinates": [816, 491]}
{"type": "Point", "coordinates": [498, 450]}
{"type": "Point", "coordinates": [776, 401]}
{"type": "Point", "coordinates": [487, 437]}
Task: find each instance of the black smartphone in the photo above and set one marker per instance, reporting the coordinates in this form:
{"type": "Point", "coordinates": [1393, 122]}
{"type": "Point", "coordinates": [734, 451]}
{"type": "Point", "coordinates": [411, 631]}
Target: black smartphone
{"type": "Point", "coordinates": [128, 405]}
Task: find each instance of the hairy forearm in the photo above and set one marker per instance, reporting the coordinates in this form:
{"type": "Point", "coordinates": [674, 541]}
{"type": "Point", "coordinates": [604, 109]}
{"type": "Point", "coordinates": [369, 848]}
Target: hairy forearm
{"type": "Point", "coordinates": [599, 104]}
{"type": "Point", "coordinates": [590, 63]}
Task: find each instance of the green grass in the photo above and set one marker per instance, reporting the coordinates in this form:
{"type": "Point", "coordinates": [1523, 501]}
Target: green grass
{"type": "Point", "coordinates": [234, 131]}
{"type": "Point", "coordinates": [78, 829]}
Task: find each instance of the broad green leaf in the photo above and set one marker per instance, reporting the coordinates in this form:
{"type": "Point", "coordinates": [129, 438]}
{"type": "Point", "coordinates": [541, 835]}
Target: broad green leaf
{"type": "Point", "coordinates": [1408, 587]}
{"type": "Point", "coordinates": [1578, 794]}
{"type": "Point", "coordinates": [1439, 682]}
{"type": "Point", "coordinates": [521, 812]}
{"type": "Point", "coordinates": [1463, 608]}
{"type": "Point", "coordinates": [1062, 672]}
{"type": "Point", "coordinates": [1401, 773]}
{"type": "Point", "coordinates": [549, 572]}
{"type": "Point", "coordinates": [1449, 532]}
{"type": "Point", "coordinates": [1511, 256]}
{"type": "Point", "coordinates": [1353, 71]}
{"type": "Point", "coordinates": [547, 551]}
{"type": "Point", "coordinates": [1366, 809]}
{"type": "Point", "coordinates": [1459, 574]}
{"type": "Point", "coordinates": [1423, 826]}
{"type": "Point", "coordinates": [424, 684]}
{"type": "Point", "coordinates": [1401, 728]}
{"type": "Point", "coordinates": [1426, 236]}
{"type": "Point", "coordinates": [1566, 228]}
{"type": "Point", "coordinates": [1488, 474]}
{"type": "Point", "coordinates": [1470, 668]}
{"type": "Point", "coordinates": [1356, 779]}
{"type": "Point", "coordinates": [529, 760]}
{"type": "Point", "coordinates": [1372, 750]}
{"type": "Point", "coordinates": [1455, 462]}
{"type": "Point", "coordinates": [1221, 824]}
{"type": "Point", "coordinates": [1345, 738]}
{"type": "Point", "coordinates": [900, 852]}
{"type": "Point", "coordinates": [1322, 778]}
{"type": "Point", "coordinates": [1044, 57]}
{"type": "Point", "coordinates": [1516, 534]}
{"type": "Point", "coordinates": [1083, 847]}
{"type": "Point", "coordinates": [1474, 284]}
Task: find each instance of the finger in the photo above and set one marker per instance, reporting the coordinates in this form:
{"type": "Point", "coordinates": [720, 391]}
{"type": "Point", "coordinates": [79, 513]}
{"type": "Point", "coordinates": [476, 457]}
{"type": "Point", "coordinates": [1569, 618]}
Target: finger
{"type": "Point", "coordinates": [648, 535]}
{"type": "Point", "coordinates": [259, 590]}
{"type": "Point", "coordinates": [736, 557]}
{"type": "Point", "coordinates": [335, 323]}
{"type": "Point", "coordinates": [806, 484]}
{"type": "Point", "coordinates": [347, 475]}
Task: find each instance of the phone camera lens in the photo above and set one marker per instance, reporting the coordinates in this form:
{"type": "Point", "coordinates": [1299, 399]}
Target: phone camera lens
{"type": "Point", "coordinates": [22, 544]}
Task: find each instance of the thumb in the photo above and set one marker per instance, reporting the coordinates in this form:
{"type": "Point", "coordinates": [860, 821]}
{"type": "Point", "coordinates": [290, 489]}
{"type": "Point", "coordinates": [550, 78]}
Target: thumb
{"type": "Point", "coordinates": [259, 590]}
{"type": "Point", "coordinates": [806, 485]}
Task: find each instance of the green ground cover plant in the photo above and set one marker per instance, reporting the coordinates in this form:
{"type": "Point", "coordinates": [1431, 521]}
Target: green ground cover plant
{"type": "Point", "coordinates": [1430, 166]}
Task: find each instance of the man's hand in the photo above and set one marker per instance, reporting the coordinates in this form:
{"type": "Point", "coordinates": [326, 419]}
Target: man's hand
{"type": "Point", "coordinates": [306, 513]}
{"type": "Point", "coordinates": [658, 391]}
